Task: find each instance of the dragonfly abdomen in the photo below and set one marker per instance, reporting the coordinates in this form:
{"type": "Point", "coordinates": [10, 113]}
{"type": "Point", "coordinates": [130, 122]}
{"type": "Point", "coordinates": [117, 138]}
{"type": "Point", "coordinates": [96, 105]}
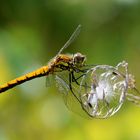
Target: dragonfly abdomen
{"type": "Point", "coordinates": [37, 73]}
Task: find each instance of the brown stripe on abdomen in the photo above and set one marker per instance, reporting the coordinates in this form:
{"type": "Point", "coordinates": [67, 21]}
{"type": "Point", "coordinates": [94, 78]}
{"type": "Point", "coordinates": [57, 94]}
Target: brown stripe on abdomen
{"type": "Point", "coordinates": [37, 73]}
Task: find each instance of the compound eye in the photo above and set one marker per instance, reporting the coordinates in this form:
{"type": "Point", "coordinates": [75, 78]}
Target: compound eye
{"type": "Point", "coordinates": [78, 59]}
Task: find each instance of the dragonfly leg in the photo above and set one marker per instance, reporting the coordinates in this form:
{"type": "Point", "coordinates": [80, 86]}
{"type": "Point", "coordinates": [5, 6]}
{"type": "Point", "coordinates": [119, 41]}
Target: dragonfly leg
{"type": "Point", "coordinates": [75, 79]}
{"type": "Point", "coordinates": [70, 86]}
{"type": "Point", "coordinates": [79, 99]}
{"type": "Point", "coordinates": [79, 76]}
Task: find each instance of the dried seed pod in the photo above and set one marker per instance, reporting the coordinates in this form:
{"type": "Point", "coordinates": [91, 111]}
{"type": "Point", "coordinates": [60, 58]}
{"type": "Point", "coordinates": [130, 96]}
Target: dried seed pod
{"type": "Point", "coordinates": [103, 89]}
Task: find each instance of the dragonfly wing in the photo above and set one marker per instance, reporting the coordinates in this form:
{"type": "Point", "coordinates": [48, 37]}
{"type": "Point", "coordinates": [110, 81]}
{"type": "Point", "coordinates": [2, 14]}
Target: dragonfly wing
{"type": "Point", "coordinates": [71, 97]}
{"type": "Point", "coordinates": [62, 85]}
{"type": "Point", "coordinates": [71, 39]}
{"type": "Point", "coordinates": [50, 80]}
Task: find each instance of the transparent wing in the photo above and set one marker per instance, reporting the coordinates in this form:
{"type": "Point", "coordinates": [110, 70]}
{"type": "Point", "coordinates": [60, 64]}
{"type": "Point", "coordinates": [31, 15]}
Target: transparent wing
{"type": "Point", "coordinates": [71, 97]}
{"type": "Point", "coordinates": [71, 39]}
{"type": "Point", "coordinates": [50, 80]}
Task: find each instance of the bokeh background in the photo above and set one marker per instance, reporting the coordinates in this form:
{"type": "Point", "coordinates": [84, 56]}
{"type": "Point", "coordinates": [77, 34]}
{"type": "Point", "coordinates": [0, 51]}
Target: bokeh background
{"type": "Point", "coordinates": [32, 32]}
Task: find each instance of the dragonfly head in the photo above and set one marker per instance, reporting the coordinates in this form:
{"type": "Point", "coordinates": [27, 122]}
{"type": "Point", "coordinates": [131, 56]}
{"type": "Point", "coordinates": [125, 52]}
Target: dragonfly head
{"type": "Point", "coordinates": [79, 59]}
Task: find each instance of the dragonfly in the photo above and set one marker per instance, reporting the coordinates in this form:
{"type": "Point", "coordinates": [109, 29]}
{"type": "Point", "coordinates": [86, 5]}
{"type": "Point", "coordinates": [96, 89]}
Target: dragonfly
{"type": "Point", "coordinates": [60, 63]}
{"type": "Point", "coordinates": [98, 91]}
{"type": "Point", "coordinates": [67, 70]}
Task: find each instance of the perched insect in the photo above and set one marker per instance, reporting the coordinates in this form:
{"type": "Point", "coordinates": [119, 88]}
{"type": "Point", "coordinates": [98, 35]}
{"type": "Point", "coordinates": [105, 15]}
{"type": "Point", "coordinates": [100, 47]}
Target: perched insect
{"type": "Point", "coordinates": [98, 90]}
{"type": "Point", "coordinates": [60, 63]}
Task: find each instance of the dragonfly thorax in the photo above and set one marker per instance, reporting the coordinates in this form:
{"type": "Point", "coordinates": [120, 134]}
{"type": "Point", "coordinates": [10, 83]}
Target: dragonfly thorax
{"type": "Point", "coordinates": [79, 59]}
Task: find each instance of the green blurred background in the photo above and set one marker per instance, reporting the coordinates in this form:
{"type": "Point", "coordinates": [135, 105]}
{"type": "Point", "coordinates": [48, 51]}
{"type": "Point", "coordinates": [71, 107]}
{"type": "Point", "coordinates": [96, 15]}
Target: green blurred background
{"type": "Point", "coordinates": [32, 32]}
